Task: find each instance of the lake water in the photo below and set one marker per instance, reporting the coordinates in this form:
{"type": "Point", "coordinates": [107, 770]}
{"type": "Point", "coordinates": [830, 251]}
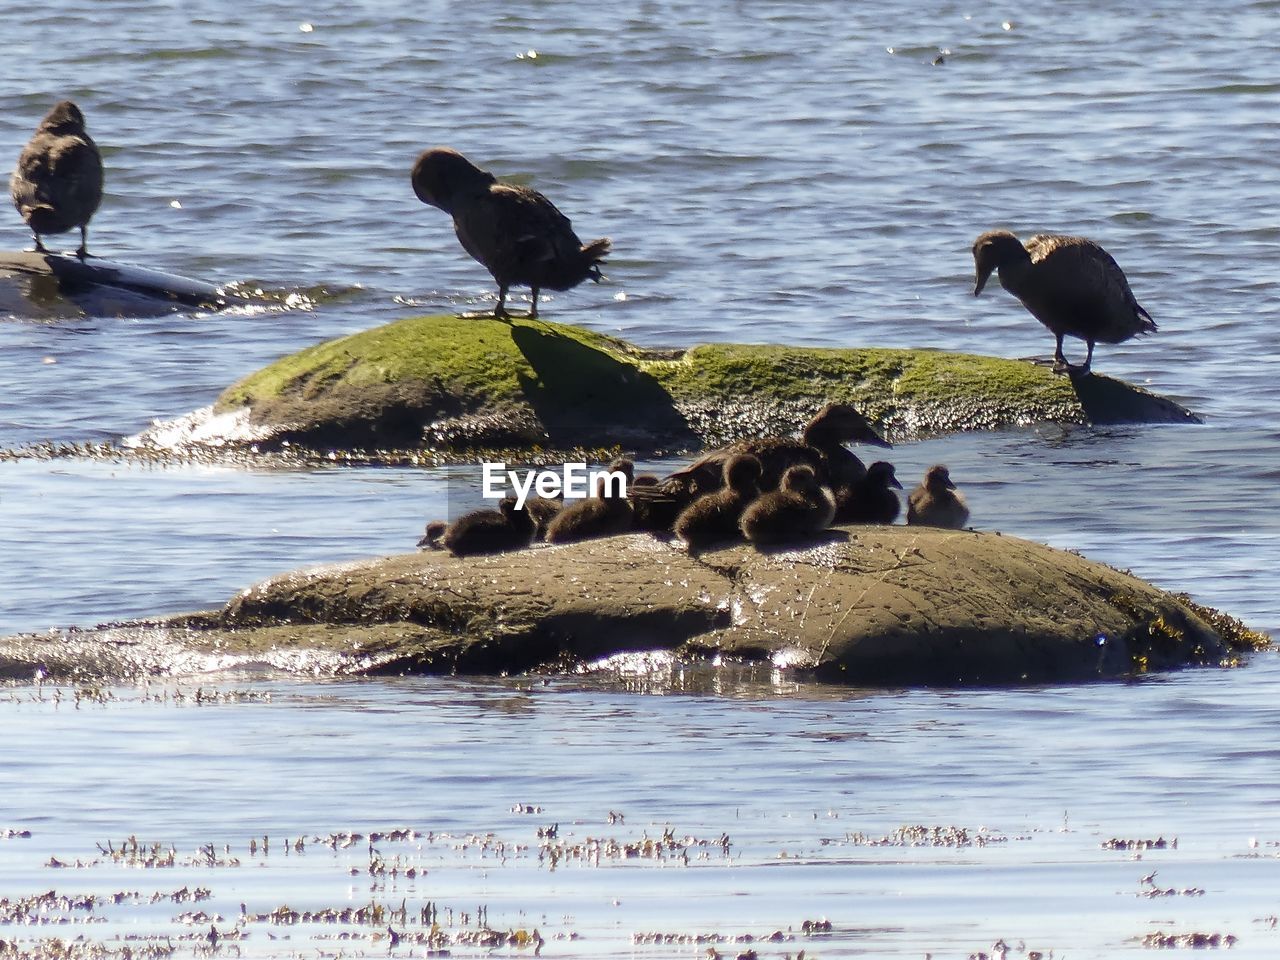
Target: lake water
{"type": "Point", "coordinates": [768, 172]}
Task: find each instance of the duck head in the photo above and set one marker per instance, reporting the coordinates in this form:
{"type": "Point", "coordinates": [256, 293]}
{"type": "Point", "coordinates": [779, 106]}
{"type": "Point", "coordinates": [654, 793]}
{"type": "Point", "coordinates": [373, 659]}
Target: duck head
{"type": "Point", "coordinates": [937, 478]}
{"type": "Point", "coordinates": [881, 474]}
{"type": "Point", "coordinates": [993, 250]}
{"type": "Point", "coordinates": [64, 118]}
{"type": "Point", "coordinates": [841, 422]}
{"type": "Point", "coordinates": [441, 175]}
{"type": "Point", "coordinates": [742, 473]}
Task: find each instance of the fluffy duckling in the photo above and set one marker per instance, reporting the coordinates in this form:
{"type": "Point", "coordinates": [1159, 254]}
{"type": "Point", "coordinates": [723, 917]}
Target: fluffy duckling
{"type": "Point", "coordinates": [605, 514]}
{"type": "Point", "coordinates": [515, 232]}
{"type": "Point", "coordinates": [871, 499]}
{"type": "Point", "coordinates": [936, 502]}
{"type": "Point", "coordinates": [543, 510]}
{"type": "Point", "coordinates": [490, 531]}
{"type": "Point", "coordinates": [714, 517]}
{"type": "Point", "coordinates": [1069, 284]}
{"type": "Point", "coordinates": [799, 508]}
{"type": "Point", "coordinates": [57, 184]}
{"type": "Point", "coordinates": [821, 447]}
{"type": "Point", "coordinates": [431, 536]}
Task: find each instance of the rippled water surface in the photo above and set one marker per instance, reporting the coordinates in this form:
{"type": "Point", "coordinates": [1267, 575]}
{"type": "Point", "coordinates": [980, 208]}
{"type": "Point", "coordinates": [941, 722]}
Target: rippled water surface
{"type": "Point", "coordinates": [768, 172]}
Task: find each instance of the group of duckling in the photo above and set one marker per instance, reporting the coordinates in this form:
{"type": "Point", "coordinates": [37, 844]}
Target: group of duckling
{"type": "Point", "coordinates": [769, 490]}
{"type": "Point", "coordinates": [1070, 284]}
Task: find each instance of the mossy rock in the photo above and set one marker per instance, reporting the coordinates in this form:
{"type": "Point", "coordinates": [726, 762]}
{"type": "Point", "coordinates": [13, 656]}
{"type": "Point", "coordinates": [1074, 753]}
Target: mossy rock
{"type": "Point", "coordinates": [870, 606]}
{"type": "Point", "coordinates": [471, 383]}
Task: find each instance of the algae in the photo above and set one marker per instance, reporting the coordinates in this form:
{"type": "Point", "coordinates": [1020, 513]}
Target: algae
{"type": "Point", "coordinates": [455, 383]}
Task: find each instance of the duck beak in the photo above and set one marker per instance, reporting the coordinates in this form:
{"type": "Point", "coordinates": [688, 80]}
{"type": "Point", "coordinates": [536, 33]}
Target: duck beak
{"type": "Point", "coordinates": [869, 436]}
{"type": "Point", "coordinates": [893, 482]}
{"type": "Point", "coordinates": [981, 280]}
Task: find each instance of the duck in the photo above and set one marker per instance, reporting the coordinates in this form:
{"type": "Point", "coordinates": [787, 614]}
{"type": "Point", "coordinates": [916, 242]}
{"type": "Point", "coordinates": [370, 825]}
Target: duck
{"type": "Point", "coordinates": [871, 499]}
{"type": "Point", "coordinates": [57, 185]}
{"type": "Point", "coordinates": [821, 447]}
{"type": "Point", "coordinates": [606, 513]}
{"type": "Point", "coordinates": [937, 502]}
{"type": "Point", "coordinates": [543, 510]}
{"type": "Point", "coordinates": [800, 507]}
{"type": "Point", "coordinates": [432, 534]}
{"type": "Point", "coordinates": [515, 232]}
{"type": "Point", "coordinates": [714, 517]}
{"type": "Point", "coordinates": [1070, 284]}
{"type": "Point", "coordinates": [490, 531]}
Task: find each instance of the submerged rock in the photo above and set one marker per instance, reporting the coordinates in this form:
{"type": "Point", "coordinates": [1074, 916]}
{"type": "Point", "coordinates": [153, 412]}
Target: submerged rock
{"type": "Point", "coordinates": [474, 383]}
{"type": "Point", "coordinates": [869, 606]}
{"type": "Point", "coordinates": [52, 285]}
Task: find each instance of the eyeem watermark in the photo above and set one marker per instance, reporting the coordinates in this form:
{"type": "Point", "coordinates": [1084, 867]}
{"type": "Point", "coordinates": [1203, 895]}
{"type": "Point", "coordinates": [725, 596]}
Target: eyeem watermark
{"type": "Point", "coordinates": [573, 481]}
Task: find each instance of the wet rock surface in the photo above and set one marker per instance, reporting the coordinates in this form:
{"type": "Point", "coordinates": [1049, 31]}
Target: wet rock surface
{"type": "Point", "coordinates": [452, 383]}
{"type": "Point", "coordinates": [52, 286]}
{"type": "Point", "coordinates": [865, 605]}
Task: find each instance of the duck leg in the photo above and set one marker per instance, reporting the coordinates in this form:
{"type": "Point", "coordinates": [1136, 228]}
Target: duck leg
{"type": "Point", "coordinates": [500, 311]}
{"type": "Point", "coordinates": [40, 248]}
{"type": "Point", "coordinates": [533, 314]}
{"type": "Point", "coordinates": [1059, 359]}
{"type": "Point", "coordinates": [84, 242]}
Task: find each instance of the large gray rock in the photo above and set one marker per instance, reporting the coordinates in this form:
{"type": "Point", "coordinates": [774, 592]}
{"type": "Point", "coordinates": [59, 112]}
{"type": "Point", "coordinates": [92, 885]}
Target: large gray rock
{"type": "Point", "coordinates": [865, 605]}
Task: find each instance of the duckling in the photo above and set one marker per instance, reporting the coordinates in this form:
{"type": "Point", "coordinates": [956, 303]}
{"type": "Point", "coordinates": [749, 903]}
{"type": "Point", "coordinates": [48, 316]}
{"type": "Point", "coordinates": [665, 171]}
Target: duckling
{"type": "Point", "coordinates": [543, 510]}
{"type": "Point", "coordinates": [871, 499]}
{"type": "Point", "coordinates": [57, 184]}
{"type": "Point", "coordinates": [603, 515]}
{"type": "Point", "coordinates": [515, 232]}
{"type": "Point", "coordinates": [714, 516]}
{"type": "Point", "coordinates": [799, 508]}
{"type": "Point", "coordinates": [490, 531]}
{"type": "Point", "coordinates": [821, 448]}
{"type": "Point", "coordinates": [1069, 284]}
{"type": "Point", "coordinates": [937, 502]}
{"type": "Point", "coordinates": [431, 536]}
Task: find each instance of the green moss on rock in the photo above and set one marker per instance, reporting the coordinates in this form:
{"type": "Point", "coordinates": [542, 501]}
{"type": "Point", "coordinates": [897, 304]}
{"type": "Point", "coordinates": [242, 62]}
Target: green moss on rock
{"type": "Point", "coordinates": [457, 383]}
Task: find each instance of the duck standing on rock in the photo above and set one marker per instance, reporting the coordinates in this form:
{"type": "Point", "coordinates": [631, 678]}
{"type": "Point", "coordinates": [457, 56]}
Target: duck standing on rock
{"type": "Point", "coordinates": [714, 517]}
{"type": "Point", "coordinates": [605, 514]}
{"type": "Point", "coordinates": [515, 232]}
{"type": "Point", "coordinates": [490, 531]}
{"type": "Point", "coordinates": [937, 502]}
{"type": "Point", "coordinates": [1069, 284]}
{"type": "Point", "coordinates": [871, 499]}
{"type": "Point", "coordinates": [57, 184]}
{"type": "Point", "coordinates": [799, 508]}
{"type": "Point", "coordinates": [822, 448]}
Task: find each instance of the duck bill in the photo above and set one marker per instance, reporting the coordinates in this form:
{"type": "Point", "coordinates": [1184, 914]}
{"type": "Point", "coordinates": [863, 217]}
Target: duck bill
{"type": "Point", "coordinates": [894, 482]}
{"type": "Point", "coordinates": [981, 281]}
{"type": "Point", "coordinates": [874, 439]}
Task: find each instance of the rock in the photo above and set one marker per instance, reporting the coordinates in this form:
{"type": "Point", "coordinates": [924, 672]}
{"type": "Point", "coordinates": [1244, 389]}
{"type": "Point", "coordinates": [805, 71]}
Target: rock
{"type": "Point", "coordinates": [454, 383]}
{"type": "Point", "coordinates": [47, 286]}
{"type": "Point", "coordinates": [870, 606]}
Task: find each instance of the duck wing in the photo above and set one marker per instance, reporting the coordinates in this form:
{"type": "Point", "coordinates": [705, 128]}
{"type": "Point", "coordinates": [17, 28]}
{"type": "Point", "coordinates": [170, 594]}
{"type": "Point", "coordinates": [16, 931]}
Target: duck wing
{"type": "Point", "coordinates": [1080, 285]}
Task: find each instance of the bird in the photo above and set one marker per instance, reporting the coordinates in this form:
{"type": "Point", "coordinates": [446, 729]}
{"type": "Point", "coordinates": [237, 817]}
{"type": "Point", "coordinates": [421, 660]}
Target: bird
{"type": "Point", "coordinates": [606, 513]}
{"type": "Point", "coordinates": [1069, 284]}
{"type": "Point", "coordinates": [821, 447]}
{"type": "Point", "coordinates": [871, 499]}
{"type": "Point", "coordinates": [937, 502]}
{"type": "Point", "coordinates": [714, 517]}
{"type": "Point", "coordinates": [799, 508]}
{"type": "Point", "coordinates": [57, 184]}
{"type": "Point", "coordinates": [514, 231]}
{"type": "Point", "coordinates": [490, 531]}
{"type": "Point", "coordinates": [431, 535]}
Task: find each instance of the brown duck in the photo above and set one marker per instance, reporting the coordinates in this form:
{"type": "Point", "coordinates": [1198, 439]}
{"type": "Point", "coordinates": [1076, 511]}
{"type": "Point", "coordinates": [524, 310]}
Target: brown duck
{"type": "Point", "coordinates": [871, 499]}
{"type": "Point", "coordinates": [714, 517]}
{"type": "Point", "coordinates": [601, 515]}
{"type": "Point", "coordinates": [490, 531]}
{"type": "Point", "coordinates": [799, 508]}
{"type": "Point", "coordinates": [57, 185]}
{"type": "Point", "coordinates": [936, 502]}
{"type": "Point", "coordinates": [821, 447]}
{"type": "Point", "coordinates": [515, 232]}
{"type": "Point", "coordinates": [1069, 284]}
